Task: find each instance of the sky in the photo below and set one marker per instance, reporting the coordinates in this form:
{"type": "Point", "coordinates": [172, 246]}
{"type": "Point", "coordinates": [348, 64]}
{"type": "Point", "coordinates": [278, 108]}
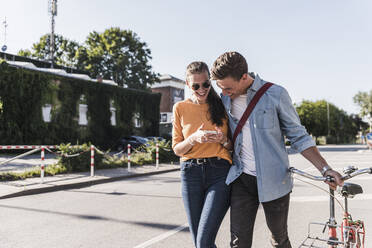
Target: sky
{"type": "Point", "coordinates": [316, 49]}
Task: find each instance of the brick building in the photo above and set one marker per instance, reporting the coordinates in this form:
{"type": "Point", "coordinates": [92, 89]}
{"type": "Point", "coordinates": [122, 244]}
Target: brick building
{"type": "Point", "coordinates": [172, 90]}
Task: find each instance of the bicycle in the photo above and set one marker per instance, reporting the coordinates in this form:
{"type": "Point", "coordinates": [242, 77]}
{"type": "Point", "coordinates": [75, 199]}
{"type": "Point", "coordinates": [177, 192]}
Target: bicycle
{"type": "Point", "coordinates": [352, 231]}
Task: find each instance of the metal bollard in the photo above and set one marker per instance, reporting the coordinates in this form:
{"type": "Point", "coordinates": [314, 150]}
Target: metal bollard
{"type": "Point", "coordinates": [92, 160]}
{"type": "Point", "coordinates": [42, 165]}
{"type": "Point", "coordinates": [157, 155]}
{"type": "Point", "coordinates": [129, 157]}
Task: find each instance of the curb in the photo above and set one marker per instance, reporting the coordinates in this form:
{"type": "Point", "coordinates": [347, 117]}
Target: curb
{"type": "Point", "coordinates": [81, 184]}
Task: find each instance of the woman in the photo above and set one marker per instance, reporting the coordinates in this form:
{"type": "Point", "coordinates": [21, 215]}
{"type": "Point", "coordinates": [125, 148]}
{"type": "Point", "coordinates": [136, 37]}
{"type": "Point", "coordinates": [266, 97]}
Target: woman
{"type": "Point", "coordinates": [200, 138]}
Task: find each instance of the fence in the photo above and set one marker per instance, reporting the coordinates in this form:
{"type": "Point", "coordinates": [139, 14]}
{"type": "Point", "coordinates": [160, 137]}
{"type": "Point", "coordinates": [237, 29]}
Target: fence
{"type": "Point", "coordinates": [42, 148]}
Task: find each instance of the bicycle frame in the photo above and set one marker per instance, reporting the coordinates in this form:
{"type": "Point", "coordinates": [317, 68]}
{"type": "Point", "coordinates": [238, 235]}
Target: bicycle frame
{"type": "Point", "coordinates": [352, 232]}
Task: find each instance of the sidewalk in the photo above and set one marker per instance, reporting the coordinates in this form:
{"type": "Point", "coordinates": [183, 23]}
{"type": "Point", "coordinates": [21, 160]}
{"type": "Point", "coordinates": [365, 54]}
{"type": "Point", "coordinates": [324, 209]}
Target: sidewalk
{"type": "Point", "coordinates": [78, 180]}
{"type": "Point", "coordinates": [32, 186]}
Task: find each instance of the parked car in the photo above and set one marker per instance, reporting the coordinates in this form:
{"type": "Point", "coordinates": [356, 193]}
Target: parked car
{"type": "Point", "coordinates": [134, 141]}
{"type": "Point", "coordinates": [155, 138]}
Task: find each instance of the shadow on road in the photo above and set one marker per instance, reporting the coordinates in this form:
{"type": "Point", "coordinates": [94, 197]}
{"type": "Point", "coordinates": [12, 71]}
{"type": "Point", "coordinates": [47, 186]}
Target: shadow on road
{"type": "Point", "coordinates": [123, 193]}
{"type": "Point", "coordinates": [98, 218]}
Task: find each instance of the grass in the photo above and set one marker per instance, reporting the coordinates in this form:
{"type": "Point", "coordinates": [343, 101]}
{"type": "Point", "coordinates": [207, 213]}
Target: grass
{"type": "Point", "coordinates": [50, 170]}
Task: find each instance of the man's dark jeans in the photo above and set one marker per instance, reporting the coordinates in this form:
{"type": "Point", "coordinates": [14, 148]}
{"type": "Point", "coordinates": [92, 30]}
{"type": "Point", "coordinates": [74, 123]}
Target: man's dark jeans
{"type": "Point", "coordinates": [206, 198]}
{"type": "Point", "coordinates": [244, 205]}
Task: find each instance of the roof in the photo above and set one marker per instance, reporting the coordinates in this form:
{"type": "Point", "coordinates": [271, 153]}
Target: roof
{"type": "Point", "coordinates": [167, 80]}
{"type": "Point", "coordinates": [40, 63]}
{"type": "Point", "coordinates": [59, 72]}
{"type": "Point", "coordinates": [167, 77]}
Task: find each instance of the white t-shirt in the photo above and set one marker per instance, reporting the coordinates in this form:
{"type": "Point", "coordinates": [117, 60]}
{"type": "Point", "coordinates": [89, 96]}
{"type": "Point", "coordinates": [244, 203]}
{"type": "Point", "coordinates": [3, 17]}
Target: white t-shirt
{"type": "Point", "coordinates": [238, 106]}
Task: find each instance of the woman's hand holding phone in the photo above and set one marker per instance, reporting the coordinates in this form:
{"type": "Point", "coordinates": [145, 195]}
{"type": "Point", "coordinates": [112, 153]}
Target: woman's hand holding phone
{"type": "Point", "coordinates": [207, 136]}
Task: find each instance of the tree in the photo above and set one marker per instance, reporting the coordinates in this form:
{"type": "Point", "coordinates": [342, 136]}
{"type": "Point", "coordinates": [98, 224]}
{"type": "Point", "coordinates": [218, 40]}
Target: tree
{"type": "Point", "coordinates": [114, 54]}
{"type": "Point", "coordinates": [118, 55]}
{"type": "Point", "coordinates": [65, 50]}
{"type": "Point", "coordinates": [313, 116]}
{"type": "Point", "coordinates": [364, 100]}
{"type": "Point", "coordinates": [342, 128]}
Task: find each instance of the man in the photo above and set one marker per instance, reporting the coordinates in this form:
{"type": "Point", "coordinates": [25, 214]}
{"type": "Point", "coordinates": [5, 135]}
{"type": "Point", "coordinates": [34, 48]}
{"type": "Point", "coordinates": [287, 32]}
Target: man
{"type": "Point", "coordinates": [260, 162]}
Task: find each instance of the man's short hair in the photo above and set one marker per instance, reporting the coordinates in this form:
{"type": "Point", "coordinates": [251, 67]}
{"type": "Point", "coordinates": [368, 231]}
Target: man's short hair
{"type": "Point", "coordinates": [229, 64]}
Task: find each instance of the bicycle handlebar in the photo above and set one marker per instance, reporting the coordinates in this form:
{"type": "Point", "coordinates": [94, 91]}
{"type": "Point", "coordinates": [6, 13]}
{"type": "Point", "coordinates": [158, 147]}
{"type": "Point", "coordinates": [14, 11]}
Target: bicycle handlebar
{"type": "Point", "coordinates": [356, 173]}
{"type": "Point", "coordinates": [329, 178]}
{"type": "Point", "coordinates": [307, 175]}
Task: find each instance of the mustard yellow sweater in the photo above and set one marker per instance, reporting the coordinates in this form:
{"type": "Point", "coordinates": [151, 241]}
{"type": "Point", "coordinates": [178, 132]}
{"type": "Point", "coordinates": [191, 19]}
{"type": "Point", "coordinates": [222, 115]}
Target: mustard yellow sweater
{"type": "Point", "coordinates": [188, 117]}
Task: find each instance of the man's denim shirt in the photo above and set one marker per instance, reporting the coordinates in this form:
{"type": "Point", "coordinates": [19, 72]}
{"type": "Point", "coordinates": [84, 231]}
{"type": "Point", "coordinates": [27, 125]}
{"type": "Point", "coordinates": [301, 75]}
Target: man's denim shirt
{"type": "Point", "coordinates": [273, 118]}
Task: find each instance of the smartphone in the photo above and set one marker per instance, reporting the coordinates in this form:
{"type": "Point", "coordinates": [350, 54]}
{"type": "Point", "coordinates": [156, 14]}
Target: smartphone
{"type": "Point", "coordinates": [210, 131]}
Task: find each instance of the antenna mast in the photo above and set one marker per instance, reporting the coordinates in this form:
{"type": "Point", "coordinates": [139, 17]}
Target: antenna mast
{"type": "Point", "coordinates": [53, 13]}
{"type": "Point", "coordinates": [4, 47]}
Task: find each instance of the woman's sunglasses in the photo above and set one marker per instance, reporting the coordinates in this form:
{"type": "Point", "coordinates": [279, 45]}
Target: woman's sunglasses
{"type": "Point", "coordinates": [205, 85]}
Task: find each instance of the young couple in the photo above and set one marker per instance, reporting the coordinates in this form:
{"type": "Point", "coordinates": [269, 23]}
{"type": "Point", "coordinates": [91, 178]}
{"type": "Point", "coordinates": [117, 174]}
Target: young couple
{"type": "Point", "coordinates": [256, 172]}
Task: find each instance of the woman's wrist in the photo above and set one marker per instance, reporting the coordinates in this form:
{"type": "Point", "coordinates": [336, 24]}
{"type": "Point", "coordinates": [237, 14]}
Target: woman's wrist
{"type": "Point", "coordinates": [190, 141]}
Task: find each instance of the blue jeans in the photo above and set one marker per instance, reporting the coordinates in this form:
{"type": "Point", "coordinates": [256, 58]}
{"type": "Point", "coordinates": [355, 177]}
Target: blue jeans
{"type": "Point", "coordinates": [206, 197]}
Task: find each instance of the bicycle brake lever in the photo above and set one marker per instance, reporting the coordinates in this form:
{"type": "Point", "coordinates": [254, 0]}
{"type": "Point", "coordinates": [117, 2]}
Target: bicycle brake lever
{"type": "Point", "coordinates": [330, 179]}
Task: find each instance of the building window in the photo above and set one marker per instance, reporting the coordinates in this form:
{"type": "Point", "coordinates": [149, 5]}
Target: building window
{"type": "Point", "coordinates": [46, 110]}
{"type": "Point", "coordinates": [83, 109]}
{"type": "Point", "coordinates": [163, 117]}
{"type": "Point", "coordinates": [177, 95]}
{"type": "Point", "coordinates": [137, 120]}
{"type": "Point", "coordinates": [113, 114]}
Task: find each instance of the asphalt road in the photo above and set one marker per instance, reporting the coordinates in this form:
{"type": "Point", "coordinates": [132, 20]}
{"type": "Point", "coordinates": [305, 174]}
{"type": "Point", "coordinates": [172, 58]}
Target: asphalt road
{"type": "Point", "coordinates": [148, 212]}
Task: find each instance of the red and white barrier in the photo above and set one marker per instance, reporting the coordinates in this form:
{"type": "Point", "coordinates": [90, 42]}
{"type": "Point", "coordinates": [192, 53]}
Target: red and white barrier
{"type": "Point", "coordinates": [92, 160]}
{"type": "Point", "coordinates": [15, 147]}
{"type": "Point", "coordinates": [129, 157]}
{"type": "Point", "coordinates": [157, 155]}
{"type": "Point", "coordinates": [20, 156]}
{"type": "Point", "coordinates": [36, 148]}
{"type": "Point", "coordinates": [42, 164]}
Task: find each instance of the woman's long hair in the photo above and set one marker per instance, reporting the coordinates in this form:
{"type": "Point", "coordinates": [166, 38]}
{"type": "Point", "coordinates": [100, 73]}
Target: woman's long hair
{"type": "Point", "coordinates": [215, 106]}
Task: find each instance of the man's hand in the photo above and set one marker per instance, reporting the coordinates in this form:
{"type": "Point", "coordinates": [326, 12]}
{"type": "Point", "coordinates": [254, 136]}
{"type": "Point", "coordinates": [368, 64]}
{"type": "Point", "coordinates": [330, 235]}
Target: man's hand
{"type": "Point", "coordinates": [312, 154]}
{"type": "Point", "coordinates": [337, 179]}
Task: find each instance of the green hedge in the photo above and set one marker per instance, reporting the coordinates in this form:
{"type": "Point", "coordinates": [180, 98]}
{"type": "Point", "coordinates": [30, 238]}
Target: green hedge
{"type": "Point", "coordinates": [23, 92]}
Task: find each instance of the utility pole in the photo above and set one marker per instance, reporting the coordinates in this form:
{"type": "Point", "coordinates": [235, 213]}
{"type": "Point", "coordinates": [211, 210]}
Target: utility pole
{"type": "Point", "coordinates": [53, 13]}
{"type": "Point", "coordinates": [328, 118]}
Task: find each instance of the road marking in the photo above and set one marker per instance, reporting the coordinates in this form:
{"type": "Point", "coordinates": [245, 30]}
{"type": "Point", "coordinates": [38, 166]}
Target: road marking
{"type": "Point", "coordinates": [162, 236]}
{"type": "Point", "coordinates": [326, 198]}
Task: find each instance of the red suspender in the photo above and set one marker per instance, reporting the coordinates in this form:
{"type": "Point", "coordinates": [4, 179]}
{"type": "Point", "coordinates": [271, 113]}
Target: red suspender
{"type": "Point", "coordinates": [250, 108]}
